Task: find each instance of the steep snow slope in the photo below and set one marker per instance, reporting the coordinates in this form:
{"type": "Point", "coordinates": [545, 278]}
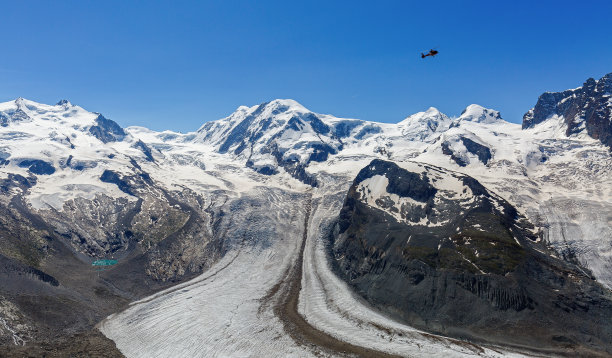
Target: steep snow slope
{"type": "Point", "coordinates": [282, 135]}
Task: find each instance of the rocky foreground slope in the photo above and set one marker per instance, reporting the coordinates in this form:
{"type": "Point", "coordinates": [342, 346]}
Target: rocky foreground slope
{"type": "Point", "coordinates": [514, 214]}
{"type": "Point", "coordinates": [439, 251]}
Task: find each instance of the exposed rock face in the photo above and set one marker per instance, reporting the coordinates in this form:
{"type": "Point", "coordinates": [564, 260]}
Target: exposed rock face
{"type": "Point", "coordinates": [109, 176]}
{"type": "Point", "coordinates": [145, 150]}
{"type": "Point", "coordinates": [37, 166]}
{"type": "Point", "coordinates": [107, 130]}
{"type": "Point", "coordinates": [585, 108]}
{"type": "Point", "coordinates": [459, 150]}
{"type": "Point", "coordinates": [482, 152]}
{"type": "Point", "coordinates": [440, 251]}
{"type": "Point", "coordinates": [446, 149]}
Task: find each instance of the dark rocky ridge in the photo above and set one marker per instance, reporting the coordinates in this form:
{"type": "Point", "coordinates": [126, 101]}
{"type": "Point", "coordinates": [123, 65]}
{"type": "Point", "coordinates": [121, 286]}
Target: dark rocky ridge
{"type": "Point", "coordinates": [590, 104]}
{"type": "Point", "coordinates": [481, 276]}
{"type": "Point", "coordinates": [446, 149]}
{"type": "Point", "coordinates": [109, 176]}
{"type": "Point", "coordinates": [482, 152]}
{"type": "Point", "coordinates": [107, 130]}
{"type": "Point", "coordinates": [145, 150]}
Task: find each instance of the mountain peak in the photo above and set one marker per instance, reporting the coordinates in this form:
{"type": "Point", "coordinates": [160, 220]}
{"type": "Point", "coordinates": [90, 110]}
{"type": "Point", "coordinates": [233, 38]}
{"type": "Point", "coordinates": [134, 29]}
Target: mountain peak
{"type": "Point", "coordinates": [283, 105]}
{"type": "Point", "coordinates": [432, 113]}
{"type": "Point", "coordinates": [421, 125]}
{"type": "Point", "coordinates": [63, 102]}
{"type": "Point", "coordinates": [19, 101]}
{"type": "Point", "coordinates": [606, 84]}
{"type": "Point", "coordinates": [480, 114]}
{"type": "Point", "coordinates": [583, 109]}
{"type": "Point", "coordinates": [26, 104]}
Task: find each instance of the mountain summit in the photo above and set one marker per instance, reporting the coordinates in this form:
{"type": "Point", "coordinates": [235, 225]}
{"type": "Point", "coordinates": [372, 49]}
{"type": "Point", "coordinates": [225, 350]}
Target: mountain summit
{"type": "Point", "coordinates": [587, 108]}
{"type": "Point", "coordinates": [477, 113]}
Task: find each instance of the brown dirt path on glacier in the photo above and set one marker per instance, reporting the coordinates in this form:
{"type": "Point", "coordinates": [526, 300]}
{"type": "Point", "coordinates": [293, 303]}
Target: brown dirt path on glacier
{"type": "Point", "coordinates": [285, 295]}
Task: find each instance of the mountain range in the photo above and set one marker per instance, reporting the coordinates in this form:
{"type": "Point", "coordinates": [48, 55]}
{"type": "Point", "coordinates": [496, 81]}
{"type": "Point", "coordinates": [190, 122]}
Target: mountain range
{"type": "Point", "coordinates": [280, 231]}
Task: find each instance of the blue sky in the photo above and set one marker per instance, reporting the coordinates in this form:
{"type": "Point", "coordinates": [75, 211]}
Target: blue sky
{"type": "Point", "coordinates": [176, 64]}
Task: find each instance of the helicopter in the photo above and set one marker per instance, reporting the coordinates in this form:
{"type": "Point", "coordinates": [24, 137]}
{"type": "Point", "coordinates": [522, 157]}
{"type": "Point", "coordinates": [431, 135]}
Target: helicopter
{"type": "Point", "coordinates": [431, 53]}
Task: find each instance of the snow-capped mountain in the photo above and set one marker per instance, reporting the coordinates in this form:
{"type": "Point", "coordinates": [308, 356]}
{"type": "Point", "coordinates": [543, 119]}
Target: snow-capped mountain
{"type": "Point", "coordinates": [66, 148]}
{"type": "Point", "coordinates": [252, 200]}
{"type": "Point", "coordinates": [281, 135]}
{"type": "Point", "coordinates": [421, 126]}
{"type": "Point", "coordinates": [585, 109]}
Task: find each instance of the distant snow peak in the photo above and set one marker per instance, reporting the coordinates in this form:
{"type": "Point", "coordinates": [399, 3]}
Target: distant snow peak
{"type": "Point", "coordinates": [479, 114]}
{"type": "Point", "coordinates": [64, 102]}
{"type": "Point", "coordinates": [420, 126]}
{"type": "Point", "coordinates": [13, 111]}
{"type": "Point", "coordinates": [431, 114]}
{"type": "Point", "coordinates": [288, 104]}
{"type": "Point", "coordinates": [433, 110]}
{"type": "Point", "coordinates": [263, 110]}
{"type": "Point", "coordinates": [277, 108]}
{"type": "Point", "coordinates": [20, 103]}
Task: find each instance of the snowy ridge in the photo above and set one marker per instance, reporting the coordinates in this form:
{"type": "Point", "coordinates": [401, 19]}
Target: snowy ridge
{"type": "Point", "coordinates": [62, 146]}
{"type": "Point", "coordinates": [278, 134]}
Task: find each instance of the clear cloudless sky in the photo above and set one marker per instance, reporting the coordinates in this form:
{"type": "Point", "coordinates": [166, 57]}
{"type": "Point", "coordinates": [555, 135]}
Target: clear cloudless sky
{"type": "Point", "coordinates": [176, 64]}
